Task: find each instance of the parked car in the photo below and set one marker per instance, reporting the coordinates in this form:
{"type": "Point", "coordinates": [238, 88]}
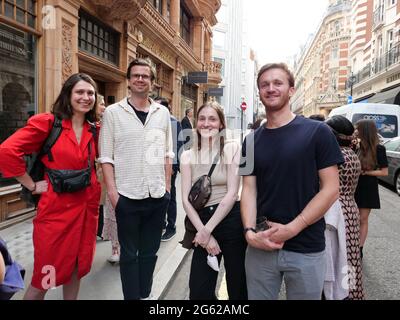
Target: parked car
{"type": "Point", "coordinates": [393, 155]}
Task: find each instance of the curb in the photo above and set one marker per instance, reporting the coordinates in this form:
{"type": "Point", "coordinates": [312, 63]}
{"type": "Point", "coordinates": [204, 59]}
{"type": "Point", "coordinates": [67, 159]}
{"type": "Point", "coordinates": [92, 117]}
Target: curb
{"type": "Point", "coordinates": [167, 272]}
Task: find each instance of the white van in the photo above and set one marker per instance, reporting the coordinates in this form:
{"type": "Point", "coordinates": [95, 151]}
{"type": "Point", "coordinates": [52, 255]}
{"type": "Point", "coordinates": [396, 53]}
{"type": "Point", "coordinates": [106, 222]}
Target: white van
{"type": "Point", "coordinates": [386, 116]}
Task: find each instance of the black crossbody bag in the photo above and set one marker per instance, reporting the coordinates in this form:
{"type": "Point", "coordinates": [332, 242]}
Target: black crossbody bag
{"type": "Point", "coordinates": [198, 196]}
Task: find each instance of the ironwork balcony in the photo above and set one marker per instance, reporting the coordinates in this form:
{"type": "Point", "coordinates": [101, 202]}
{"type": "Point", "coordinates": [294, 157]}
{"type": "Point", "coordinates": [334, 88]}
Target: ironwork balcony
{"type": "Point", "coordinates": [380, 64]}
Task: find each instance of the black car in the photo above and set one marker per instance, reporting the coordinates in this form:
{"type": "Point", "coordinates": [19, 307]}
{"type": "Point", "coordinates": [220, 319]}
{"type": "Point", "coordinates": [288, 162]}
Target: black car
{"type": "Point", "coordinates": [393, 155]}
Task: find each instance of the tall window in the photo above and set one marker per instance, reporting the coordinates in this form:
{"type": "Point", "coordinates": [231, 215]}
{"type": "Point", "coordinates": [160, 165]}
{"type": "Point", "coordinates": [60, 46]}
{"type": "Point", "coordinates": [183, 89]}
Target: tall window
{"type": "Point", "coordinates": [185, 24]}
{"type": "Point", "coordinates": [18, 66]}
{"type": "Point", "coordinates": [22, 11]}
{"type": "Point", "coordinates": [219, 39]}
{"type": "Point", "coordinates": [98, 39]}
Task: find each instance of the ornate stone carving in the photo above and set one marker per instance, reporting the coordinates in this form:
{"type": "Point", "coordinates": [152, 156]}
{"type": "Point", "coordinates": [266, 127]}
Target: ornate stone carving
{"type": "Point", "coordinates": [121, 9]}
{"type": "Point", "coordinates": [67, 63]}
{"type": "Point", "coordinates": [155, 48]}
{"type": "Point", "coordinates": [154, 18]}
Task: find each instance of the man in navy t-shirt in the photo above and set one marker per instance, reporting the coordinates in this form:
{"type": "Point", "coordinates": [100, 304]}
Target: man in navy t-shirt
{"type": "Point", "coordinates": [290, 176]}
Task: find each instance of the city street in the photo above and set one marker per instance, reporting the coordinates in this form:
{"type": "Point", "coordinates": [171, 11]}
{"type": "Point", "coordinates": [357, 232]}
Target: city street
{"type": "Point", "coordinates": [381, 256]}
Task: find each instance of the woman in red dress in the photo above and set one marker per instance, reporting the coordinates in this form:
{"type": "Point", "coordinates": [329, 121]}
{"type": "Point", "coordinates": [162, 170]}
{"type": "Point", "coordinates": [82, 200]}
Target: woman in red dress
{"type": "Point", "coordinates": [64, 233]}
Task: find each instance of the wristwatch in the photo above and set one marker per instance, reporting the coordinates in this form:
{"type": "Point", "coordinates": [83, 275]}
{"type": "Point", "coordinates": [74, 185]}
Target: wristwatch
{"type": "Point", "coordinates": [249, 229]}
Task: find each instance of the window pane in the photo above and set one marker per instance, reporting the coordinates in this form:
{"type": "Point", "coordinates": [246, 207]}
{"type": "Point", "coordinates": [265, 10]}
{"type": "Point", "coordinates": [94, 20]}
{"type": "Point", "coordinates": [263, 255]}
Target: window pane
{"type": "Point", "coordinates": [31, 6]}
{"type": "Point", "coordinates": [20, 16]}
{"type": "Point", "coordinates": [21, 3]}
{"type": "Point", "coordinates": [9, 12]}
{"type": "Point", "coordinates": [31, 21]}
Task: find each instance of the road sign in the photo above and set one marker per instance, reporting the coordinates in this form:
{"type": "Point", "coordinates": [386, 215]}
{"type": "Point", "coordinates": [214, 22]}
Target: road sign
{"type": "Point", "coordinates": [197, 77]}
{"type": "Point", "coordinates": [216, 92]}
{"type": "Point", "coordinates": [243, 106]}
{"type": "Point", "coordinates": [349, 99]}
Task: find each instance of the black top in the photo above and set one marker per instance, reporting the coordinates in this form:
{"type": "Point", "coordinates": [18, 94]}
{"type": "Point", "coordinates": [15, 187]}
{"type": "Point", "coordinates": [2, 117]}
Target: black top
{"type": "Point", "coordinates": [367, 191]}
{"type": "Point", "coordinates": [141, 114]}
{"type": "Point", "coordinates": [286, 162]}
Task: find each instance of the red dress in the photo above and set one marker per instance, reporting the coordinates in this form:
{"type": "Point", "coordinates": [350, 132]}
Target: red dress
{"type": "Point", "coordinates": [64, 233]}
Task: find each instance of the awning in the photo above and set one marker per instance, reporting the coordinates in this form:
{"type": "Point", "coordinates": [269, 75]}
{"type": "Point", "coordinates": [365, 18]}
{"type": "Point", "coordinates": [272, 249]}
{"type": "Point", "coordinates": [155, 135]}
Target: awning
{"type": "Point", "coordinates": [391, 96]}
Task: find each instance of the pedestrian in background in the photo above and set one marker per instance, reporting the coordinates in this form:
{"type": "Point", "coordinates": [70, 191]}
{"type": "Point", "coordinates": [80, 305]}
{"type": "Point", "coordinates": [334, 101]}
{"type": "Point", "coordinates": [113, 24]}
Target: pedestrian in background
{"type": "Point", "coordinates": [218, 224]}
{"type": "Point", "coordinates": [374, 163]}
{"type": "Point", "coordinates": [349, 172]}
{"type": "Point", "coordinates": [187, 128]}
{"type": "Point", "coordinates": [290, 177]}
{"type": "Point", "coordinates": [64, 229]}
{"type": "Point", "coordinates": [136, 154]}
{"type": "Point", "coordinates": [107, 228]}
{"type": "Point", "coordinates": [170, 223]}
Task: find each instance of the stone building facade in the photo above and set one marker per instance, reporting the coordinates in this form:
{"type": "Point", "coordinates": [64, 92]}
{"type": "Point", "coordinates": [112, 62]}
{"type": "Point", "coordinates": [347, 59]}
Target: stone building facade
{"type": "Point", "coordinates": [322, 69]}
{"type": "Point", "coordinates": [43, 42]}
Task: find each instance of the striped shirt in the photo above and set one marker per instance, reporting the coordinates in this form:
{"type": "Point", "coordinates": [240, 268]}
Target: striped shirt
{"type": "Point", "coordinates": [137, 151]}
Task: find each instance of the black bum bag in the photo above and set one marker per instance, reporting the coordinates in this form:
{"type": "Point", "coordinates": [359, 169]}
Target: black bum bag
{"type": "Point", "coordinates": [69, 180]}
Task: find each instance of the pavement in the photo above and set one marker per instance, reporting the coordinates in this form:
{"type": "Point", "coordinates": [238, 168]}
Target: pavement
{"type": "Point", "coordinates": [103, 282]}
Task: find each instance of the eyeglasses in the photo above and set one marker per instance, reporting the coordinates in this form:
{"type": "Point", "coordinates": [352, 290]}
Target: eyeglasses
{"type": "Point", "coordinates": [137, 76]}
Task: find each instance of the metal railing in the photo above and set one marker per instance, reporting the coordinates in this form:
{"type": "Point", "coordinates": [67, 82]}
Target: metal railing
{"type": "Point", "coordinates": [380, 64]}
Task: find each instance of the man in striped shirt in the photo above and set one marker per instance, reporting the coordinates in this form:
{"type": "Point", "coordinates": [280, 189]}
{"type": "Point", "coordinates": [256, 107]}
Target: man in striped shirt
{"type": "Point", "coordinates": [136, 154]}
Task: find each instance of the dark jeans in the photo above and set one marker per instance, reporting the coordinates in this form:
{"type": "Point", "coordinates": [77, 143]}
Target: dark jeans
{"type": "Point", "coordinates": [230, 238]}
{"type": "Point", "coordinates": [139, 224]}
{"type": "Point", "coordinates": [171, 211]}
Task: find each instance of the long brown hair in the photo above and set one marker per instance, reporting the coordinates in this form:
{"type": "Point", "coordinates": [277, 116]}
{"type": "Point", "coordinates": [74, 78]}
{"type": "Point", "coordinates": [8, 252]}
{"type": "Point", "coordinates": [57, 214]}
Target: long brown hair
{"type": "Point", "coordinates": [62, 107]}
{"type": "Point", "coordinates": [368, 135]}
{"type": "Point", "coordinates": [217, 107]}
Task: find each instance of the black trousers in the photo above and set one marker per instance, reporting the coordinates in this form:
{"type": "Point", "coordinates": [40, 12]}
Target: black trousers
{"type": "Point", "coordinates": [229, 235]}
{"type": "Point", "coordinates": [171, 211]}
{"type": "Point", "coordinates": [139, 224]}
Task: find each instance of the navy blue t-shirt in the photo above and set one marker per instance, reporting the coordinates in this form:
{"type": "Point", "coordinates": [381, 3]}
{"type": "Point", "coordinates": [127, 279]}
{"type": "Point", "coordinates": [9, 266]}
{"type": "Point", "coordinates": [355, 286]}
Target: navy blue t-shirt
{"type": "Point", "coordinates": [286, 162]}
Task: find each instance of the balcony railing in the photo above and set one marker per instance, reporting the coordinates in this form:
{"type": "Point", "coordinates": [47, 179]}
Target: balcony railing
{"type": "Point", "coordinates": [381, 64]}
{"type": "Point", "coordinates": [214, 72]}
{"type": "Point", "coordinates": [379, 17]}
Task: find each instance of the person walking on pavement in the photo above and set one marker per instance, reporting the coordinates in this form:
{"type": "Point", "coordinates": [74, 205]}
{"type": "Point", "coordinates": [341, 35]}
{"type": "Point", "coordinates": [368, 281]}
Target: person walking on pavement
{"type": "Point", "coordinates": [349, 172]}
{"type": "Point", "coordinates": [107, 228]}
{"type": "Point", "coordinates": [64, 229]}
{"type": "Point", "coordinates": [374, 163]}
{"type": "Point", "coordinates": [187, 128]}
{"type": "Point", "coordinates": [290, 176]}
{"type": "Point", "coordinates": [136, 153]}
{"type": "Point", "coordinates": [218, 224]}
{"type": "Point", "coordinates": [170, 224]}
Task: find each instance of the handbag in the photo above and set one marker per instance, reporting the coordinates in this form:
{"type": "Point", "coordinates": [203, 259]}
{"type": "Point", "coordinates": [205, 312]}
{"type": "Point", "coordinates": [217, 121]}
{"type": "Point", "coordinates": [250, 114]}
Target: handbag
{"type": "Point", "coordinates": [14, 277]}
{"type": "Point", "coordinates": [70, 180]}
{"type": "Point", "coordinates": [199, 194]}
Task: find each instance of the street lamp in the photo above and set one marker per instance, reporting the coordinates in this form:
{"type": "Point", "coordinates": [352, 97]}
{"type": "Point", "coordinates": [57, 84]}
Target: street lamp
{"type": "Point", "coordinates": [352, 80]}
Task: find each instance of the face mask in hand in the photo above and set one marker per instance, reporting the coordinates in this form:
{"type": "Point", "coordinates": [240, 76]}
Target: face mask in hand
{"type": "Point", "coordinates": [212, 262]}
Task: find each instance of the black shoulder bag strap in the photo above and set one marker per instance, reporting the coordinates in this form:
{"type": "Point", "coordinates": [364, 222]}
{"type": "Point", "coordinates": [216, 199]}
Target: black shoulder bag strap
{"type": "Point", "coordinates": [213, 165]}
{"type": "Point", "coordinates": [51, 139]}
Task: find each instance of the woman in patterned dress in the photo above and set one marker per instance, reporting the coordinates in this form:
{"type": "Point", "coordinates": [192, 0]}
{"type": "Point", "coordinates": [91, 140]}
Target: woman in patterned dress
{"type": "Point", "coordinates": [349, 173]}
